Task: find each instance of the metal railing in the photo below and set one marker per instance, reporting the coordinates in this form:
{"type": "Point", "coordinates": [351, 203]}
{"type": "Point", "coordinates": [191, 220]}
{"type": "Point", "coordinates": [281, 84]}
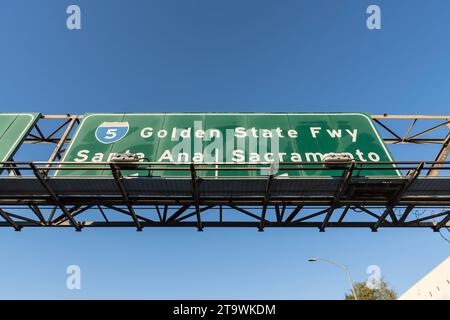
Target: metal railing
{"type": "Point", "coordinates": [186, 167]}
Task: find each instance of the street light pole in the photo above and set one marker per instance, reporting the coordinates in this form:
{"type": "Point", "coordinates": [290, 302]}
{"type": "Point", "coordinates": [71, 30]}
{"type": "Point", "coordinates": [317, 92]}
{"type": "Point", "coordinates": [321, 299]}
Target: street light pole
{"type": "Point", "coordinates": [341, 266]}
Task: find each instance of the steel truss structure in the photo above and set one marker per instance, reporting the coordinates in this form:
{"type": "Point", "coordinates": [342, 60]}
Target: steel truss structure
{"type": "Point", "coordinates": [418, 198]}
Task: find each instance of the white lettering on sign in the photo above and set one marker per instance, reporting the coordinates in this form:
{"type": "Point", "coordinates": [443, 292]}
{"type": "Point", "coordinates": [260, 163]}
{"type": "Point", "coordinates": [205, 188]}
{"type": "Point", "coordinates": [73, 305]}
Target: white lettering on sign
{"type": "Point", "coordinates": [315, 131]}
{"type": "Point", "coordinates": [335, 133]}
{"type": "Point", "coordinates": [240, 144]}
{"type": "Point", "coordinates": [353, 134]}
{"type": "Point", "coordinates": [242, 132]}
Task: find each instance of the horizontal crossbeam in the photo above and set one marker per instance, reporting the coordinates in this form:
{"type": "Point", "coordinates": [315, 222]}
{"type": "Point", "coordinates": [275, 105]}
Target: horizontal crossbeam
{"type": "Point", "coordinates": [231, 215]}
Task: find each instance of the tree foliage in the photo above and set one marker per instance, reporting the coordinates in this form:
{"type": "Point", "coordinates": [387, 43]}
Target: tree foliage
{"type": "Point", "coordinates": [382, 291]}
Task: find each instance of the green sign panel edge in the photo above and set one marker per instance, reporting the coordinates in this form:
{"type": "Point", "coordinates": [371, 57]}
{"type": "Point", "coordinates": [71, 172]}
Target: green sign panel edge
{"type": "Point", "coordinates": [34, 116]}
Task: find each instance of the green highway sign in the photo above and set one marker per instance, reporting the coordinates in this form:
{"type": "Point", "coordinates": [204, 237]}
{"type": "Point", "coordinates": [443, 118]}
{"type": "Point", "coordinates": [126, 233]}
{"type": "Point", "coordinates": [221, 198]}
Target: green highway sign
{"type": "Point", "coordinates": [13, 129]}
{"type": "Point", "coordinates": [227, 137]}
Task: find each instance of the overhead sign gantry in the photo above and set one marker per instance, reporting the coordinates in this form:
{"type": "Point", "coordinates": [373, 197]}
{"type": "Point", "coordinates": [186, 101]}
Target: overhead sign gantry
{"type": "Point", "coordinates": [364, 190]}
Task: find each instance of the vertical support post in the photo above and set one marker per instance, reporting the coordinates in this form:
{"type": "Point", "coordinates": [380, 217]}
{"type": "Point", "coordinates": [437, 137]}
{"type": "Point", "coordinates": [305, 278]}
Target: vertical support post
{"type": "Point", "coordinates": [266, 200]}
{"type": "Point", "coordinates": [278, 213]}
{"type": "Point", "coordinates": [166, 207]}
{"type": "Point", "coordinates": [159, 213]}
{"type": "Point", "coordinates": [283, 211]}
{"type": "Point", "coordinates": [196, 197]}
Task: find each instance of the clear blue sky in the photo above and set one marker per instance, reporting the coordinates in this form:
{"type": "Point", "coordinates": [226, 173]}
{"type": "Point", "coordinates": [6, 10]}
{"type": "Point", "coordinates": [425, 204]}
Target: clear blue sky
{"type": "Point", "coordinates": [202, 55]}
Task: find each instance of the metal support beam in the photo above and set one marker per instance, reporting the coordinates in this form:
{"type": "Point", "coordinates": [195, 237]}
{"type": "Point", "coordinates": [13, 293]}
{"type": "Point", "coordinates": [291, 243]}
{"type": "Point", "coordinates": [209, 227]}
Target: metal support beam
{"type": "Point", "coordinates": [405, 137]}
{"type": "Point", "coordinates": [310, 217]}
{"type": "Point", "coordinates": [246, 212]}
{"type": "Point", "coordinates": [196, 197]}
{"type": "Point", "coordinates": [266, 200]}
{"type": "Point", "coordinates": [387, 211]}
{"type": "Point", "coordinates": [227, 224]}
{"type": "Point", "coordinates": [278, 213]}
{"type": "Point", "coordinates": [178, 213]}
{"type": "Point", "coordinates": [406, 213]}
{"type": "Point", "coordinates": [128, 213]}
{"type": "Point", "coordinates": [159, 213]}
{"type": "Point", "coordinates": [73, 212]}
{"type": "Point", "coordinates": [42, 179]}
{"type": "Point", "coordinates": [13, 171]}
{"type": "Point", "coordinates": [443, 222]}
{"type": "Point", "coordinates": [446, 123]}
{"type": "Point", "coordinates": [10, 221]}
{"type": "Point", "coordinates": [441, 157]}
{"type": "Point", "coordinates": [426, 218]}
{"type": "Point", "coordinates": [166, 207]}
{"type": "Point", "coordinates": [195, 213]}
{"type": "Point", "coordinates": [343, 214]}
{"type": "Point", "coordinates": [387, 129]}
{"type": "Point", "coordinates": [62, 216]}
{"type": "Point", "coordinates": [103, 213]}
{"type": "Point", "coordinates": [118, 178]}
{"type": "Point", "coordinates": [38, 213]}
{"type": "Point", "coordinates": [425, 136]}
{"type": "Point", "coordinates": [293, 214]}
{"type": "Point", "coordinates": [370, 213]}
{"type": "Point", "coordinates": [283, 211]}
{"type": "Point", "coordinates": [51, 215]}
{"type": "Point", "coordinates": [56, 152]}
{"type": "Point", "coordinates": [16, 216]}
{"type": "Point", "coordinates": [346, 175]}
{"type": "Point", "coordinates": [393, 201]}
